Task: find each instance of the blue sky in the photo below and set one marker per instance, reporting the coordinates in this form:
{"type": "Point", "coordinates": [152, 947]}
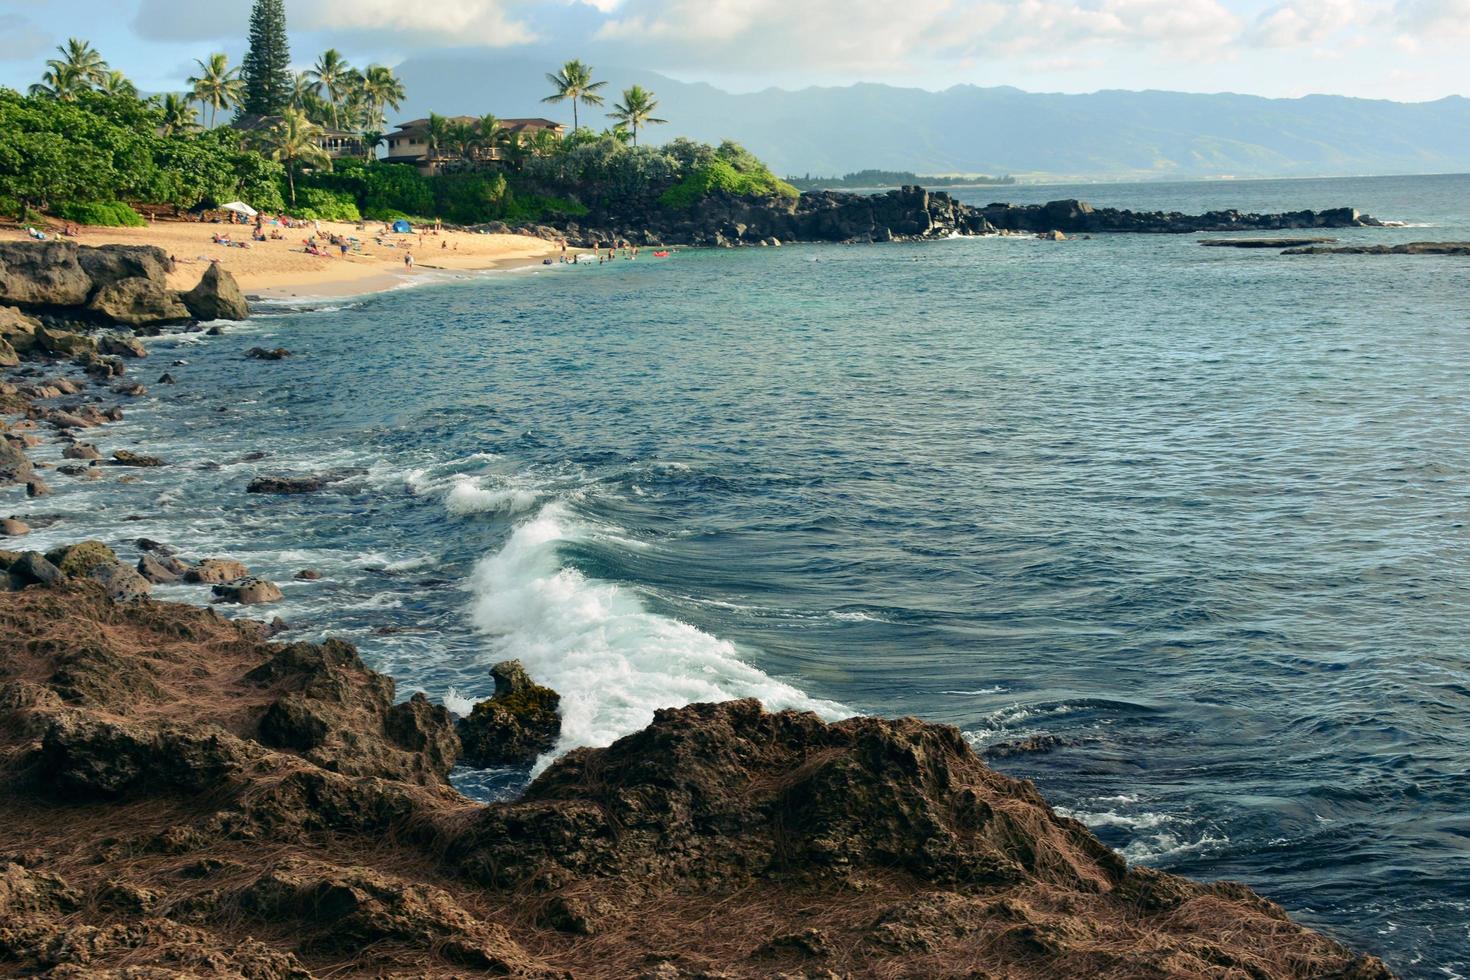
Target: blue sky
{"type": "Point", "coordinates": [1409, 50]}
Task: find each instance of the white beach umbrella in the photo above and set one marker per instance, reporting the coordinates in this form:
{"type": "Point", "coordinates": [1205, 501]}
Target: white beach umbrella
{"type": "Point", "coordinates": [239, 207]}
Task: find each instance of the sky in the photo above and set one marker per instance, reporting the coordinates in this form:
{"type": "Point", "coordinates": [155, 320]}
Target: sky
{"type": "Point", "coordinates": [1406, 50]}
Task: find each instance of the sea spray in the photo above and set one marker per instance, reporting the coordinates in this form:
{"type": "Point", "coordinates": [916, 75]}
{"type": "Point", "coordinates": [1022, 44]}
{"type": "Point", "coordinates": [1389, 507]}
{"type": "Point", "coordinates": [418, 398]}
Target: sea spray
{"type": "Point", "coordinates": [613, 662]}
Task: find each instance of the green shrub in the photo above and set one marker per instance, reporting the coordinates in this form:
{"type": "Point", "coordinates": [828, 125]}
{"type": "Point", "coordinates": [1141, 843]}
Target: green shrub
{"type": "Point", "coordinates": [320, 204]}
{"type": "Point", "coordinates": [731, 170]}
{"type": "Point", "coordinates": [112, 214]}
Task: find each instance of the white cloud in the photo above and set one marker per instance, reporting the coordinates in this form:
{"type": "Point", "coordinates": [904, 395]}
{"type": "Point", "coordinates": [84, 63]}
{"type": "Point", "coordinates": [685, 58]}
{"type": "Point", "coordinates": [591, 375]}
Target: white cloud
{"type": "Point", "coordinates": [487, 23]}
{"type": "Point", "coordinates": [1433, 19]}
{"type": "Point", "coordinates": [1300, 22]}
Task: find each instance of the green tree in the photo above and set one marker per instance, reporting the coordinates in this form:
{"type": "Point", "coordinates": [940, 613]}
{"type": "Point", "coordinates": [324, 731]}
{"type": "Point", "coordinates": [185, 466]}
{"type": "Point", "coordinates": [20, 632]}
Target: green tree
{"type": "Point", "coordinates": [371, 140]}
{"type": "Point", "coordinates": [60, 81]}
{"type": "Point", "coordinates": [436, 136]}
{"type": "Point", "coordinates": [83, 59]}
{"type": "Point", "coordinates": [117, 85]}
{"type": "Point", "coordinates": [383, 91]}
{"type": "Point", "coordinates": [574, 83]}
{"type": "Point", "coordinates": [292, 142]}
{"type": "Point", "coordinates": [217, 85]}
{"type": "Point", "coordinates": [491, 135]}
{"type": "Point", "coordinates": [266, 71]}
{"type": "Point", "coordinates": [334, 76]}
{"type": "Point", "coordinates": [179, 115]}
{"type": "Point", "coordinates": [462, 138]}
{"type": "Point", "coordinates": [636, 110]}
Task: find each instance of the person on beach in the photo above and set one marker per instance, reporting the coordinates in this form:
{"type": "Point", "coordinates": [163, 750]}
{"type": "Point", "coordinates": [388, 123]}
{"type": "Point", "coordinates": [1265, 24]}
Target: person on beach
{"type": "Point", "coordinates": [408, 261]}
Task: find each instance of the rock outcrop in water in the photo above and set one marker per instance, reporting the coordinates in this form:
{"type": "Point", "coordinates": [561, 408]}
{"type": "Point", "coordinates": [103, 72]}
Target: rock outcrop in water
{"type": "Point", "coordinates": [182, 797]}
{"type": "Point", "coordinates": [123, 285]}
{"type": "Point", "coordinates": [907, 214]}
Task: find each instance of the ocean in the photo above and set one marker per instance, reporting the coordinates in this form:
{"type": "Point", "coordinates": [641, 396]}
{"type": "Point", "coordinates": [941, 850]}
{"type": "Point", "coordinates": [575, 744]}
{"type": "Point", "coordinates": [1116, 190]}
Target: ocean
{"type": "Point", "coordinates": [1200, 514]}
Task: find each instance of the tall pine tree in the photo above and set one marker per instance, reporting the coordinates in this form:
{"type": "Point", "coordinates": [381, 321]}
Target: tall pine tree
{"type": "Point", "coordinates": [266, 70]}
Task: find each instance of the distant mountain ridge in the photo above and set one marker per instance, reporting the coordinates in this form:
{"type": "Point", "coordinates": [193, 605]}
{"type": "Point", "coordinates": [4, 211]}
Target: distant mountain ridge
{"type": "Point", "coordinates": [968, 129]}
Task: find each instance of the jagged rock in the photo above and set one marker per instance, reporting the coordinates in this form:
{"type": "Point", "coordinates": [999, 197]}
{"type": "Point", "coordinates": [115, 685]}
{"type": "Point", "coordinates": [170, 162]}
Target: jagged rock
{"type": "Point", "coordinates": [64, 343]}
{"type": "Point", "coordinates": [264, 354]}
{"type": "Point", "coordinates": [248, 591]}
{"type": "Point", "coordinates": [81, 450]}
{"type": "Point", "coordinates": [42, 274]}
{"type": "Point", "coordinates": [286, 484]}
{"type": "Point", "coordinates": [36, 487]}
{"type": "Point", "coordinates": [213, 571]}
{"type": "Point", "coordinates": [88, 757]}
{"type": "Point", "coordinates": [108, 264]}
{"type": "Point", "coordinates": [14, 527]}
{"type": "Point", "coordinates": [515, 725]}
{"type": "Point", "coordinates": [8, 355]}
{"type": "Point", "coordinates": [166, 379]}
{"type": "Point", "coordinates": [121, 583]}
{"type": "Point", "coordinates": [156, 547]}
{"type": "Point", "coordinates": [307, 575]}
{"type": "Point", "coordinates": [138, 302]}
{"type": "Point", "coordinates": [18, 329]}
{"type": "Point", "coordinates": [217, 297]}
{"type": "Point", "coordinates": [419, 726]}
{"type": "Point", "coordinates": [79, 559]}
{"type": "Point", "coordinates": [130, 389]}
{"type": "Point", "coordinates": [117, 344]}
{"type": "Point", "coordinates": [15, 466]}
{"type": "Point", "coordinates": [124, 457]}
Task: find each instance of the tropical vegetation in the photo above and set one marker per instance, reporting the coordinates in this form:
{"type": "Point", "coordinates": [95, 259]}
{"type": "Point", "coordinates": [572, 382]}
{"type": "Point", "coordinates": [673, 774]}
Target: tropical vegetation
{"type": "Point", "coordinates": [83, 145]}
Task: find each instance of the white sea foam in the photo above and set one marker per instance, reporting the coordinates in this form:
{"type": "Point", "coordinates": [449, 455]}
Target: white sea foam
{"type": "Point", "coordinates": [613, 661]}
{"type": "Point", "coordinates": [467, 496]}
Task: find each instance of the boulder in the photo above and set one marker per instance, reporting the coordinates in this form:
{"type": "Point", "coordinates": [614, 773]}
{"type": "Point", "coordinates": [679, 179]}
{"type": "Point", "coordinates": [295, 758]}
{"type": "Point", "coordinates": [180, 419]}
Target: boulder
{"type": "Point", "coordinates": [8, 355]}
{"type": "Point", "coordinates": [266, 354]}
{"type": "Point", "coordinates": [15, 466]}
{"type": "Point", "coordinates": [18, 329]}
{"type": "Point", "coordinates": [212, 571]}
{"type": "Point", "coordinates": [217, 297]}
{"type": "Point", "coordinates": [120, 345]}
{"type": "Point", "coordinates": [108, 264]}
{"type": "Point", "coordinates": [81, 450]}
{"type": "Point", "coordinates": [139, 302]}
{"type": "Point", "coordinates": [307, 575]}
{"type": "Point", "coordinates": [32, 568]}
{"type": "Point", "coordinates": [79, 559]}
{"type": "Point", "coordinates": [64, 343]}
{"type": "Point", "coordinates": [161, 571]}
{"type": "Point", "coordinates": [121, 583]}
{"type": "Point", "coordinates": [42, 274]}
{"type": "Point", "coordinates": [248, 591]}
{"type": "Point", "coordinates": [13, 527]}
{"type": "Point", "coordinates": [286, 484]}
{"type": "Point", "coordinates": [513, 727]}
{"type": "Point", "coordinates": [36, 487]}
{"type": "Point", "coordinates": [123, 457]}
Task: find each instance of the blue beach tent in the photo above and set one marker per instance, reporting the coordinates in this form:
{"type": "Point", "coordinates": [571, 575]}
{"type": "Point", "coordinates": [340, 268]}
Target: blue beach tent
{"type": "Point", "coordinates": [402, 227]}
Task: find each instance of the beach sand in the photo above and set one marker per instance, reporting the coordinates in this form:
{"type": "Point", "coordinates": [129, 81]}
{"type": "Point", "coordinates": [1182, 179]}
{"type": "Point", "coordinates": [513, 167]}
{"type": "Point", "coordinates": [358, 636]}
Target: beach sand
{"type": "Point", "coordinates": [283, 268]}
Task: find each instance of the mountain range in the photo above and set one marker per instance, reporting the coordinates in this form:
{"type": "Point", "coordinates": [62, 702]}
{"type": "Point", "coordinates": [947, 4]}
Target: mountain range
{"type": "Point", "coordinates": [997, 130]}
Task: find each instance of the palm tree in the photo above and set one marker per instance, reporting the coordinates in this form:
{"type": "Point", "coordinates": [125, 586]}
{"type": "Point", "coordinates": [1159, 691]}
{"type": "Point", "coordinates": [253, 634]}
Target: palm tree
{"type": "Point", "coordinates": [371, 140]}
{"type": "Point", "coordinates": [332, 74]}
{"type": "Point", "coordinates": [116, 84]}
{"type": "Point", "coordinates": [383, 90]}
{"type": "Point", "coordinates": [636, 110]}
{"type": "Point", "coordinates": [82, 58]}
{"type": "Point", "coordinates": [292, 142]}
{"type": "Point", "coordinates": [463, 137]}
{"type": "Point", "coordinates": [61, 81]}
{"type": "Point", "coordinates": [574, 82]}
{"type": "Point", "coordinates": [492, 136]}
{"type": "Point", "coordinates": [217, 85]}
{"type": "Point", "coordinates": [437, 134]}
{"type": "Point", "coordinates": [304, 90]}
{"type": "Point", "coordinates": [179, 114]}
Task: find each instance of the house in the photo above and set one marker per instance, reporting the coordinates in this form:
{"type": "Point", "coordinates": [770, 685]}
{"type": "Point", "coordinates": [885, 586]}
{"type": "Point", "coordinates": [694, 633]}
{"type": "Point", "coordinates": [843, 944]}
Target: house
{"type": "Point", "coordinates": [410, 142]}
{"type": "Point", "coordinates": [339, 143]}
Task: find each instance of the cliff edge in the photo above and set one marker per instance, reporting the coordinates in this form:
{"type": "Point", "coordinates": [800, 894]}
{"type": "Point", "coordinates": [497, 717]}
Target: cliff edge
{"type": "Point", "coordinates": [184, 797]}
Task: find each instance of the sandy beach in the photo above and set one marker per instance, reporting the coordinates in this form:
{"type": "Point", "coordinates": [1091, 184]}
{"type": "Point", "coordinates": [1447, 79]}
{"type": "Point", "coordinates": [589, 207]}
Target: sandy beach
{"type": "Point", "coordinates": [284, 268]}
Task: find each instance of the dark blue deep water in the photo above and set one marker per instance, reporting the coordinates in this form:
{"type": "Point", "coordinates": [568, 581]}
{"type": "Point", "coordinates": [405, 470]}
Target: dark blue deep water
{"type": "Point", "coordinates": [1200, 512]}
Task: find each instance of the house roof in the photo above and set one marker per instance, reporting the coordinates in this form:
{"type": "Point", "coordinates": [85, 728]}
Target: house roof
{"type": "Point", "coordinates": [418, 127]}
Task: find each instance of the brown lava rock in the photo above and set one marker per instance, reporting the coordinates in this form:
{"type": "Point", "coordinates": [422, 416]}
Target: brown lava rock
{"type": "Point", "coordinates": [515, 725]}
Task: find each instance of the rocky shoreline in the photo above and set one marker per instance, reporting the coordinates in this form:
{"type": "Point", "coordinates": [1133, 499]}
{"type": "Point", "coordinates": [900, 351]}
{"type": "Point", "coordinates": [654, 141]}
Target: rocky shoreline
{"type": "Point", "coordinates": [907, 214]}
{"type": "Point", "coordinates": [183, 796]}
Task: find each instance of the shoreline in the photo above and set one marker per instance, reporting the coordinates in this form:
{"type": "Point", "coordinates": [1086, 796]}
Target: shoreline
{"type": "Point", "coordinates": [282, 269]}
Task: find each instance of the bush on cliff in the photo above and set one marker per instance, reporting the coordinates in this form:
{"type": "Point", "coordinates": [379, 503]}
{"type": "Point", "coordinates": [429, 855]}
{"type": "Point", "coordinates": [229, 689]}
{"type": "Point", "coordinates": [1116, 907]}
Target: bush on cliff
{"type": "Point", "coordinates": [320, 204]}
{"type": "Point", "coordinates": [731, 170]}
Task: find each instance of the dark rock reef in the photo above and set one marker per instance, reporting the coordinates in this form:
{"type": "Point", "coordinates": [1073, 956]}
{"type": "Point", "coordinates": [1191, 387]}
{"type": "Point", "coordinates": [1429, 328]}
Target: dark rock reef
{"type": "Point", "coordinates": [182, 797]}
{"type": "Point", "coordinates": [907, 214]}
{"type": "Point", "coordinates": [107, 285]}
{"type": "Point", "coordinates": [1407, 248]}
{"type": "Point", "coordinates": [515, 725]}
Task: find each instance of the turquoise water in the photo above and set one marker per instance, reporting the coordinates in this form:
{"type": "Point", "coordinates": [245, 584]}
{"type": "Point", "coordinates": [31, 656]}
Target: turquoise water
{"type": "Point", "coordinates": [1199, 512]}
